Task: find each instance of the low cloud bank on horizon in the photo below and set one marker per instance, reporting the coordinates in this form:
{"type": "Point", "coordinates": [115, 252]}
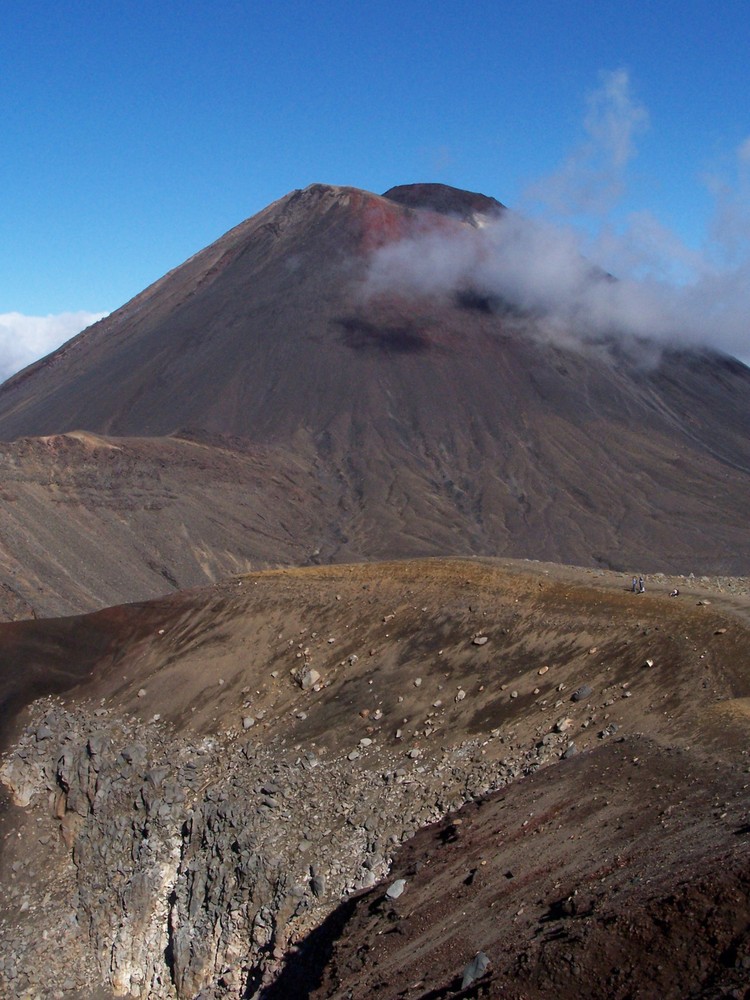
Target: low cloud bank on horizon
{"type": "Point", "coordinates": [553, 256]}
{"type": "Point", "coordinates": [25, 339]}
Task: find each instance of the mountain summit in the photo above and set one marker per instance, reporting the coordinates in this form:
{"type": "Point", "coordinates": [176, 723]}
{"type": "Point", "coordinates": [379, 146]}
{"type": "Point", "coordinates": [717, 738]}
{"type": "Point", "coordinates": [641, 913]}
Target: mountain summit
{"type": "Point", "coordinates": [359, 421]}
{"type": "Point", "coordinates": [267, 328]}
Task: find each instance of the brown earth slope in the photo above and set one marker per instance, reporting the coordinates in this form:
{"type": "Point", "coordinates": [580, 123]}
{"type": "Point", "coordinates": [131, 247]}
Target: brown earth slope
{"type": "Point", "coordinates": [192, 742]}
{"type": "Point", "coordinates": [89, 521]}
{"type": "Point", "coordinates": [402, 425]}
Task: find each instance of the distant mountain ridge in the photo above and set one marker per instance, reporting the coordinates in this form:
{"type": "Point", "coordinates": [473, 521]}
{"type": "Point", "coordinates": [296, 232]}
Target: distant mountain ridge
{"type": "Point", "coordinates": [401, 425]}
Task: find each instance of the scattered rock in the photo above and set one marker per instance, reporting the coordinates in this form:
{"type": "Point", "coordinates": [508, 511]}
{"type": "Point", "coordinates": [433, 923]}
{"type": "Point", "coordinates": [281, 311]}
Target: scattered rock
{"type": "Point", "coordinates": [480, 640]}
{"type": "Point", "coordinates": [307, 678]}
{"type": "Point", "coordinates": [366, 882]}
{"type": "Point", "coordinates": [395, 889]}
{"type": "Point", "coordinates": [584, 691]}
{"type": "Point", "coordinates": [475, 969]}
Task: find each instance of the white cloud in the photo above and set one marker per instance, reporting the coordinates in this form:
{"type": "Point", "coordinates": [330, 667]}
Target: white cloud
{"type": "Point", "coordinates": [665, 292]}
{"type": "Point", "coordinates": [592, 178]}
{"type": "Point", "coordinates": [24, 339]}
{"type": "Point", "coordinates": [541, 268]}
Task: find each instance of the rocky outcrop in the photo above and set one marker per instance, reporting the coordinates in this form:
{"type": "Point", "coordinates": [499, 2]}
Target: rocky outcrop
{"type": "Point", "coordinates": [195, 865]}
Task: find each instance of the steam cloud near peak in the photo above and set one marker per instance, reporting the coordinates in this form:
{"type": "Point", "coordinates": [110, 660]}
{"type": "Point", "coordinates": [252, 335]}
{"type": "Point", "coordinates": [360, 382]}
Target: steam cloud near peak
{"type": "Point", "coordinates": [557, 271]}
{"type": "Point", "coordinates": [541, 269]}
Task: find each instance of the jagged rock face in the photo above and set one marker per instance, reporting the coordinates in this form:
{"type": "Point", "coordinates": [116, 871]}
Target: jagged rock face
{"type": "Point", "coordinates": [197, 863]}
{"type": "Point", "coordinates": [329, 423]}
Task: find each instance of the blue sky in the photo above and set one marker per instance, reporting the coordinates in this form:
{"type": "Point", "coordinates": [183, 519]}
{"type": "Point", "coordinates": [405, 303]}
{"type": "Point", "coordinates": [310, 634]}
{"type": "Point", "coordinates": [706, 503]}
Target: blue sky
{"type": "Point", "coordinates": [135, 133]}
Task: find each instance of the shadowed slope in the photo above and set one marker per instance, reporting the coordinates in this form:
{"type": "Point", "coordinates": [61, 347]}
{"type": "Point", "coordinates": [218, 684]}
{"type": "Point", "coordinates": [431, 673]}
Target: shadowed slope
{"type": "Point", "coordinates": [606, 875]}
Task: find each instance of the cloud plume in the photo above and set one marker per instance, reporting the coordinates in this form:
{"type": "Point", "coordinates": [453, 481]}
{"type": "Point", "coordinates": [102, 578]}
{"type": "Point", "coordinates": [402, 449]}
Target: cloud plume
{"type": "Point", "coordinates": [593, 177]}
{"type": "Point", "coordinates": [24, 339]}
{"type": "Point", "coordinates": [559, 269]}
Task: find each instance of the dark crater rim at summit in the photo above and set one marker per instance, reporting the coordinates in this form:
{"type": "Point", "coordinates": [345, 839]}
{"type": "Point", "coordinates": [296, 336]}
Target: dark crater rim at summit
{"type": "Point", "coordinates": [444, 199]}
